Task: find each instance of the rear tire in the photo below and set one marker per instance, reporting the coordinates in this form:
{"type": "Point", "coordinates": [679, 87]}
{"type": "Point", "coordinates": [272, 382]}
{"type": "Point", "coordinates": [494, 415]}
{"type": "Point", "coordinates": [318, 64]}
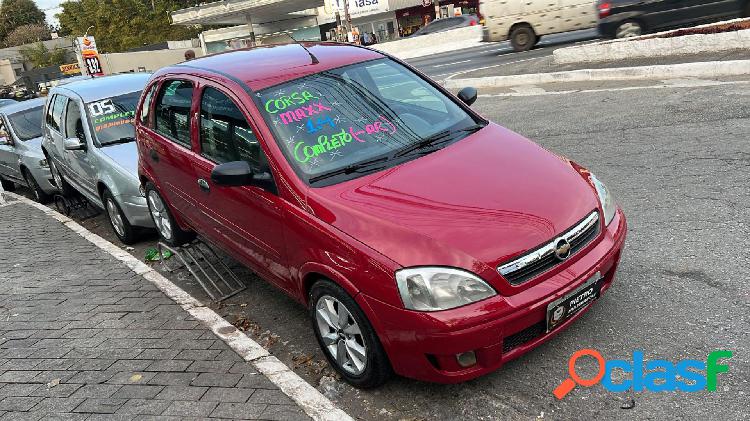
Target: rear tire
{"type": "Point", "coordinates": [522, 38]}
{"type": "Point", "coordinates": [166, 226]}
{"type": "Point", "coordinates": [117, 219]}
{"type": "Point", "coordinates": [39, 194]}
{"type": "Point", "coordinates": [7, 185]}
{"type": "Point", "coordinates": [348, 339]}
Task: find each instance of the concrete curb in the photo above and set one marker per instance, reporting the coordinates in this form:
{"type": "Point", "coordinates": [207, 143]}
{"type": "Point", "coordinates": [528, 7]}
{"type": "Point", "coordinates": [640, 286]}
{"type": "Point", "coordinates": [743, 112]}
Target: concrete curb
{"type": "Point", "coordinates": [656, 45]}
{"type": "Point", "coordinates": [314, 403]}
{"type": "Point", "coordinates": [708, 69]}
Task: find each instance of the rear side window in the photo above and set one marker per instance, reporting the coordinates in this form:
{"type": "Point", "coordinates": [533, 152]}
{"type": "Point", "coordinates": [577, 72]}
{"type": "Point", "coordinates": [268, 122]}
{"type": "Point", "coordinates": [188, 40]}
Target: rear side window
{"type": "Point", "coordinates": [172, 113]}
{"type": "Point", "coordinates": [57, 107]}
{"type": "Point", "coordinates": [225, 134]}
{"type": "Point", "coordinates": [146, 108]}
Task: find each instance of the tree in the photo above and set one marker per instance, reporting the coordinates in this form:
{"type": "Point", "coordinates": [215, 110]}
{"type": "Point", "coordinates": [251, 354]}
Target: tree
{"type": "Point", "coordinates": [15, 13]}
{"type": "Point", "coordinates": [41, 56]}
{"type": "Point", "coordinates": [119, 25]}
{"type": "Point", "coordinates": [26, 34]}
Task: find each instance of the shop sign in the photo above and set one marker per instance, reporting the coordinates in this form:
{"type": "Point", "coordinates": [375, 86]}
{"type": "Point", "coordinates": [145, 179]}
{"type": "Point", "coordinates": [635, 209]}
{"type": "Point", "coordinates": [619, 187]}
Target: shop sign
{"type": "Point", "coordinates": [70, 69]}
{"type": "Point", "coordinates": [359, 8]}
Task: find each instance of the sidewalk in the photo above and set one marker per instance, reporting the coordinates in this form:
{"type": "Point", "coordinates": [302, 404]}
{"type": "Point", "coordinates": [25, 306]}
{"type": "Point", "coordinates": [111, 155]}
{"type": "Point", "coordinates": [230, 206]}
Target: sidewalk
{"type": "Point", "coordinates": [84, 337]}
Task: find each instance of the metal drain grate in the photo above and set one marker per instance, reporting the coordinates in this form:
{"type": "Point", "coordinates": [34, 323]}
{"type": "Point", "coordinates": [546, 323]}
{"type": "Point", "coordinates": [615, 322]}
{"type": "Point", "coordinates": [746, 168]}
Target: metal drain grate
{"type": "Point", "coordinates": [213, 275]}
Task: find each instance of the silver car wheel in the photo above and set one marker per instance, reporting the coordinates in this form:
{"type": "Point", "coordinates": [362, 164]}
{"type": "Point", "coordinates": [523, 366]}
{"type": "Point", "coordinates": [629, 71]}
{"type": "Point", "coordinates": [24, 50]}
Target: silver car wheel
{"type": "Point", "coordinates": [115, 217]}
{"type": "Point", "coordinates": [56, 175]}
{"type": "Point", "coordinates": [341, 335]}
{"type": "Point", "coordinates": [628, 30]}
{"type": "Point", "coordinates": [159, 215]}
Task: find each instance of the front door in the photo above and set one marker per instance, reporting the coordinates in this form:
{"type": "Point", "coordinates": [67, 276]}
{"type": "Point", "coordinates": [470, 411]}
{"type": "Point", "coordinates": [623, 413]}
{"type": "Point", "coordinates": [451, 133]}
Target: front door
{"type": "Point", "coordinates": [246, 219]}
{"type": "Point", "coordinates": [170, 148]}
{"type": "Point", "coordinates": [82, 168]}
{"type": "Point", "coordinates": [9, 169]}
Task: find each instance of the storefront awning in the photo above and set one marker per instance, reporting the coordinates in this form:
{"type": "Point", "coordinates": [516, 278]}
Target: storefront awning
{"type": "Point", "coordinates": [239, 12]}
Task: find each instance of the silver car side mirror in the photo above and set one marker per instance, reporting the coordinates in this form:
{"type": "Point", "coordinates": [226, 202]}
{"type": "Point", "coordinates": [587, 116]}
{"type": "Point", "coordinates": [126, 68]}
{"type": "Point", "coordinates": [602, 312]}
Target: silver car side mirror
{"type": "Point", "coordinates": [73, 144]}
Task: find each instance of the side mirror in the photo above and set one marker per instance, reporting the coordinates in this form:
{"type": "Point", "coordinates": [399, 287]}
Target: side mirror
{"type": "Point", "coordinates": [236, 173]}
{"type": "Point", "coordinates": [468, 95]}
{"type": "Point", "coordinates": [4, 138]}
{"type": "Point", "coordinates": [74, 144]}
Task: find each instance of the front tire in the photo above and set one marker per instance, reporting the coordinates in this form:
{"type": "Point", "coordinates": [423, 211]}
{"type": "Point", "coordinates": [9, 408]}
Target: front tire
{"type": "Point", "coordinates": [166, 226]}
{"type": "Point", "coordinates": [523, 38]}
{"type": "Point", "coordinates": [346, 337]}
{"type": "Point", "coordinates": [62, 186]}
{"type": "Point", "coordinates": [39, 194]}
{"type": "Point", "coordinates": [117, 219]}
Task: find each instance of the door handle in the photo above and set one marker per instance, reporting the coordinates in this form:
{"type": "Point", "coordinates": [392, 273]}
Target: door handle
{"type": "Point", "coordinates": [203, 184]}
{"type": "Point", "coordinates": [154, 155]}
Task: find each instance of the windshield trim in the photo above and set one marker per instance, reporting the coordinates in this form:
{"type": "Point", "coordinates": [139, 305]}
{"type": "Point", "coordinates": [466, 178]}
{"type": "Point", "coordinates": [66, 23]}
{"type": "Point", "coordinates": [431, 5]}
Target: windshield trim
{"type": "Point", "coordinates": [391, 163]}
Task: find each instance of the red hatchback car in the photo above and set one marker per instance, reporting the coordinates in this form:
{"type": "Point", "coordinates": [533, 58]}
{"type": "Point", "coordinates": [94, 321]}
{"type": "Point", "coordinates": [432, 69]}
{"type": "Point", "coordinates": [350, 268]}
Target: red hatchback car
{"type": "Point", "coordinates": [424, 239]}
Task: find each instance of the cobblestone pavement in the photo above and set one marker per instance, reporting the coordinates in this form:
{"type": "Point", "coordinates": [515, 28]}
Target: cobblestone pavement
{"type": "Point", "coordinates": [84, 337]}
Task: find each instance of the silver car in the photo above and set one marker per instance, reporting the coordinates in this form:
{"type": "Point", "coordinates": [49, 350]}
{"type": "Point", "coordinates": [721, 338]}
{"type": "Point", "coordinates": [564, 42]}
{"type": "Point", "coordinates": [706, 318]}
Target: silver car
{"type": "Point", "coordinates": [89, 140]}
{"type": "Point", "coordinates": [21, 158]}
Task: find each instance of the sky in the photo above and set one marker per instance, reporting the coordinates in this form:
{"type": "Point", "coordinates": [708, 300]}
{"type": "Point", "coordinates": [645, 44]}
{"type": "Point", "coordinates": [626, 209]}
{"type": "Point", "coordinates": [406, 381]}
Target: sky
{"type": "Point", "coordinates": [53, 8]}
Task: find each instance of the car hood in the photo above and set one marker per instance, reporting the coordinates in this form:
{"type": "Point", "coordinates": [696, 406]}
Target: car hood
{"type": "Point", "coordinates": [125, 155]}
{"type": "Point", "coordinates": [474, 204]}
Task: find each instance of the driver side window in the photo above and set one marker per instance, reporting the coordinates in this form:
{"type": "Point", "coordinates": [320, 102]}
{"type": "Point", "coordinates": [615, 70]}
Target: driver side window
{"type": "Point", "coordinates": [74, 123]}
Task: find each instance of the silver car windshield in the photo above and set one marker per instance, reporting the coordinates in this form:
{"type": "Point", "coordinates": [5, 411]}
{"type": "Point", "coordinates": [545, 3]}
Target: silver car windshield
{"type": "Point", "coordinates": [27, 124]}
{"type": "Point", "coordinates": [331, 124]}
{"type": "Point", "coordinates": [112, 118]}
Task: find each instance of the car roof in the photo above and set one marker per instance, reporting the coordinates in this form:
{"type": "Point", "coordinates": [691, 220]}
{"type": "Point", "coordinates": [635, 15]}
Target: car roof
{"type": "Point", "coordinates": [97, 88]}
{"type": "Point", "coordinates": [262, 67]}
{"type": "Point", "coordinates": [22, 106]}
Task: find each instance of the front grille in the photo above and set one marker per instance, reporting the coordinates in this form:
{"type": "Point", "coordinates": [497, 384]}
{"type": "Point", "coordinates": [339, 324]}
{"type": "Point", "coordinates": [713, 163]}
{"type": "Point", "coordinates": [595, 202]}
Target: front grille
{"type": "Point", "coordinates": [527, 335]}
{"type": "Point", "coordinates": [543, 258]}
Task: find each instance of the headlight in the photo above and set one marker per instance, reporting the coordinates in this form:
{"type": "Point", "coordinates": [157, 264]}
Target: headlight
{"type": "Point", "coordinates": [605, 198]}
{"type": "Point", "coordinates": [43, 163]}
{"type": "Point", "coordinates": [437, 288]}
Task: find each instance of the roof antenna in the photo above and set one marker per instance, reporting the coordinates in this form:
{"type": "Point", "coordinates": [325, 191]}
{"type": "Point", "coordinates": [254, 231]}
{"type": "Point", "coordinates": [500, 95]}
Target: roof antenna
{"type": "Point", "coordinates": [313, 59]}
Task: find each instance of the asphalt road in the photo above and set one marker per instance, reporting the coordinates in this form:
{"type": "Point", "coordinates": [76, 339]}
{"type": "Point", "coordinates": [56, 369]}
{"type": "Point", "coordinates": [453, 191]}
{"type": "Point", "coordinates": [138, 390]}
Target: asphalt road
{"type": "Point", "coordinates": [677, 159]}
{"type": "Point", "coordinates": [441, 66]}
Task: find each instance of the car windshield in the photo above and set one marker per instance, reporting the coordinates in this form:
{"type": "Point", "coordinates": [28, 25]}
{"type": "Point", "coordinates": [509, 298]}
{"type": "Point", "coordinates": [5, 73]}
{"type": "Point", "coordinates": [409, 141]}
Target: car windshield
{"type": "Point", "coordinates": [27, 124]}
{"type": "Point", "coordinates": [337, 124]}
{"type": "Point", "coordinates": [112, 118]}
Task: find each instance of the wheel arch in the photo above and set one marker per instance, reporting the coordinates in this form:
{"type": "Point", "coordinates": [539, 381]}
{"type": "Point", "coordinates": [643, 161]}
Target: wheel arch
{"type": "Point", "coordinates": [518, 25]}
{"type": "Point", "coordinates": [313, 272]}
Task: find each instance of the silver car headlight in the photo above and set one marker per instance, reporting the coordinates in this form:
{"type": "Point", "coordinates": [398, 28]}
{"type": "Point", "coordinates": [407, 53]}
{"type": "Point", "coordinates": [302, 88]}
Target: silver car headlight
{"type": "Point", "coordinates": [605, 198]}
{"type": "Point", "coordinates": [438, 288]}
{"type": "Point", "coordinates": [43, 163]}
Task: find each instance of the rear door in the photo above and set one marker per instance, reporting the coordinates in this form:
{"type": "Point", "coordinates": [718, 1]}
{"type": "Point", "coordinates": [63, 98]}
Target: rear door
{"type": "Point", "coordinates": [170, 147]}
{"type": "Point", "coordinates": [247, 219]}
{"type": "Point", "coordinates": [52, 123]}
{"type": "Point", "coordinates": [8, 156]}
{"type": "Point", "coordinates": [577, 14]}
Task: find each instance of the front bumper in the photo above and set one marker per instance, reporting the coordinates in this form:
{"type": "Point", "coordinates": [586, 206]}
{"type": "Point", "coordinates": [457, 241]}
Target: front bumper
{"type": "Point", "coordinates": [424, 345]}
{"type": "Point", "coordinates": [136, 210]}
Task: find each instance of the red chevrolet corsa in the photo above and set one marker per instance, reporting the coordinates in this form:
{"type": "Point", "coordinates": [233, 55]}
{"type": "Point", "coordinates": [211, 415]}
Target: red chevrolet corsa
{"type": "Point", "coordinates": [425, 240]}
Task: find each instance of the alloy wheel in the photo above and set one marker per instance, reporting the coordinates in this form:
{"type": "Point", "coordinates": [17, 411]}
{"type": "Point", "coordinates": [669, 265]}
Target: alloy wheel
{"type": "Point", "coordinates": [628, 30]}
{"type": "Point", "coordinates": [115, 217]}
{"type": "Point", "coordinates": [159, 215]}
{"type": "Point", "coordinates": [56, 175]}
{"type": "Point", "coordinates": [341, 335]}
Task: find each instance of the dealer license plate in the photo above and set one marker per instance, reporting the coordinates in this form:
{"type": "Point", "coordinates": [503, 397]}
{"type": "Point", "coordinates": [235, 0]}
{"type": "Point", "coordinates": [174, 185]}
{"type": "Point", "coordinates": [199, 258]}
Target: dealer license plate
{"type": "Point", "coordinates": [566, 307]}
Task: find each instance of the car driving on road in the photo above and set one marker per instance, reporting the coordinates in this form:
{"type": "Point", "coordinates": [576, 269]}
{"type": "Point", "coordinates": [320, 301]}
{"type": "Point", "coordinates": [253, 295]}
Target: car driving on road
{"type": "Point", "coordinates": [631, 18]}
{"type": "Point", "coordinates": [89, 141]}
{"type": "Point", "coordinates": [422, 238]}
{"type": "Point", "coordinates": [21, 158]}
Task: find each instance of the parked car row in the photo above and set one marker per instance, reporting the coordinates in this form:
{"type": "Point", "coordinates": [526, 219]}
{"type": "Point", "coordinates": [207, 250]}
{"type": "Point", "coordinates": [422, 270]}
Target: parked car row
{"type": "Point", "coordinates": [524, 23]}
{"type": "Point", "coordinates": [423, 239]}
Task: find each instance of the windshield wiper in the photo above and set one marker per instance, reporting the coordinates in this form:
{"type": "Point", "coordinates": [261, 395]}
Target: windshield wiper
{"type": "Point", "coordinates": [437, 139]}
{"type": "Point", "coordinates": [119, 141]}
{"type": "Point", "coordinates": [352, 168]}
